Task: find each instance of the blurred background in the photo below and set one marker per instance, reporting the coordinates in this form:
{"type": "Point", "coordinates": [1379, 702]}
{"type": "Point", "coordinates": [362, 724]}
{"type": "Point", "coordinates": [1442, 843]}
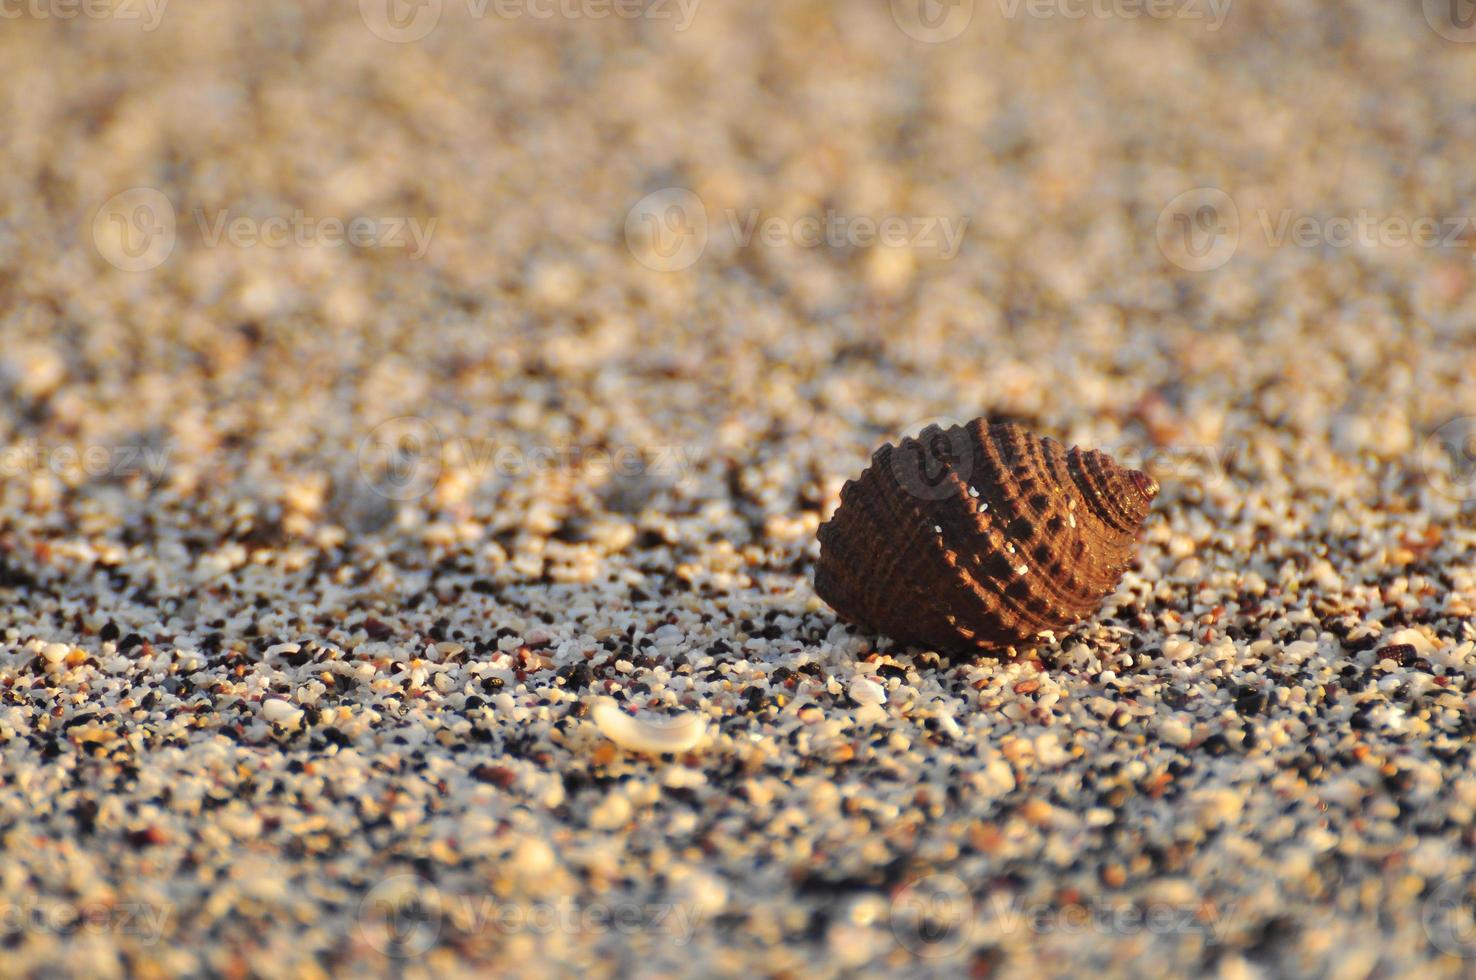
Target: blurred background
{"type": "Point", "coordinates": [719, 223]}
{"type": "Point", "coordinates": [573, 293]}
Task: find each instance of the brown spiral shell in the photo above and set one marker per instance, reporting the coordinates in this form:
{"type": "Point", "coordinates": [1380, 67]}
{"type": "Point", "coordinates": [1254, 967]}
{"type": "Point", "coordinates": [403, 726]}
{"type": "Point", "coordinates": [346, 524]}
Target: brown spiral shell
{"type": "Point", "coordinates": [979, 537]}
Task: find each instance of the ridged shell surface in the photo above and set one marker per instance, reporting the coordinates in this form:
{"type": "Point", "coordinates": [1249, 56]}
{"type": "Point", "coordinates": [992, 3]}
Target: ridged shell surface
{"type": "Point", "coordinates": [980, 537]}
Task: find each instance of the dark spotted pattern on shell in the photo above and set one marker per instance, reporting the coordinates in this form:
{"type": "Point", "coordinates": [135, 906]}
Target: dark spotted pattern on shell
{"type": "Point", "coordinates": [980, 537]}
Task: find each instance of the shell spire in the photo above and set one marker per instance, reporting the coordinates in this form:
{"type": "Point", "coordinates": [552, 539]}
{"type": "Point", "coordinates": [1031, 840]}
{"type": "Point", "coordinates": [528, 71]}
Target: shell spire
{"type": "Point", "coordinates": [980, 537]}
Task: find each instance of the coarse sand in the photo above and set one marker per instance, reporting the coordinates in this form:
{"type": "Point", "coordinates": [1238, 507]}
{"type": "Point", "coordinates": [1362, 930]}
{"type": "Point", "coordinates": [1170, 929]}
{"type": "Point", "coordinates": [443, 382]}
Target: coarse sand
{"type": "Point", "coordinates": [415, 420]}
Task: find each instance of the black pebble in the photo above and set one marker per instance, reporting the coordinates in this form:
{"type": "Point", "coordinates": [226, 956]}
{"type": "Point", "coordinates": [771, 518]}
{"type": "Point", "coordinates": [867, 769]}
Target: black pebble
{"type": "Point", "coordinates": [1250, 700]}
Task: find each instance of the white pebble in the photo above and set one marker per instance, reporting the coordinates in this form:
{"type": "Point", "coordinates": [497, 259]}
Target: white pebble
{"type": "Point", "coordinates": [1178, 650]}
{"type": "Point", "coordinates": [612, 813]}
{"type": "Point", "coordinates": [280, 712]}
{"type": "Point", "coordinates": [1174, 732]}
{"type": "Point", "coordinates": [1048, 751]}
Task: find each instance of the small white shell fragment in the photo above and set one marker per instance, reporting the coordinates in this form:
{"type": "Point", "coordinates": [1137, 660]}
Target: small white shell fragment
{"type": "Point", "coordinates": [55, 653]}
{"type": "Point", "coordinates": [864, 690]}
{"type": "Point", "coordinates": [280, 712]}
{"type": "Point", "coordinates": [677, 733]}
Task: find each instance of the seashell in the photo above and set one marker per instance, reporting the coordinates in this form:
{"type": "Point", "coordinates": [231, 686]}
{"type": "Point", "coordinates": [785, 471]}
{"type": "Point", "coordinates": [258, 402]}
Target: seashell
{"type": "Point", "coordinates": [979, 537]}
{"type": "Point", "coordinates": [650, 735]}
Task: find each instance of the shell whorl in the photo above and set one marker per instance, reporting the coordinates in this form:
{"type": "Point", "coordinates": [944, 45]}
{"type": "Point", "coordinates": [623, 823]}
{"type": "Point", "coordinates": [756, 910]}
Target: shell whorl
{"type": "Point", "coordinates": [979, 537]}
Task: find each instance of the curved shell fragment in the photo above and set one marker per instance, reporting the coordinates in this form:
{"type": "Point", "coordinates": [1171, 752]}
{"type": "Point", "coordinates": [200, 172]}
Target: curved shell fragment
{"type": "Point", "coordinates": [677, 733]}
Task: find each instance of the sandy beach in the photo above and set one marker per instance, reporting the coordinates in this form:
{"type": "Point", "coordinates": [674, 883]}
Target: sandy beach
{"type": "Point", "coordinates": [415, 421]}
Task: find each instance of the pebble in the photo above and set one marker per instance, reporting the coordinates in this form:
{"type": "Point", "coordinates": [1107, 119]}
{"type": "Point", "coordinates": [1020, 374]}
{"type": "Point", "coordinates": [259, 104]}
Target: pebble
{"type": "Point", "coordinates": [55, 653]}
{"type": "Point", "coordinates": [866, 691]}
{"type": "Point", "coordinates": [280, 712]}
{"type": "Point", "coordinates": [611, 813]}
{"type": "Point", "coordinates": [1175, 732]}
